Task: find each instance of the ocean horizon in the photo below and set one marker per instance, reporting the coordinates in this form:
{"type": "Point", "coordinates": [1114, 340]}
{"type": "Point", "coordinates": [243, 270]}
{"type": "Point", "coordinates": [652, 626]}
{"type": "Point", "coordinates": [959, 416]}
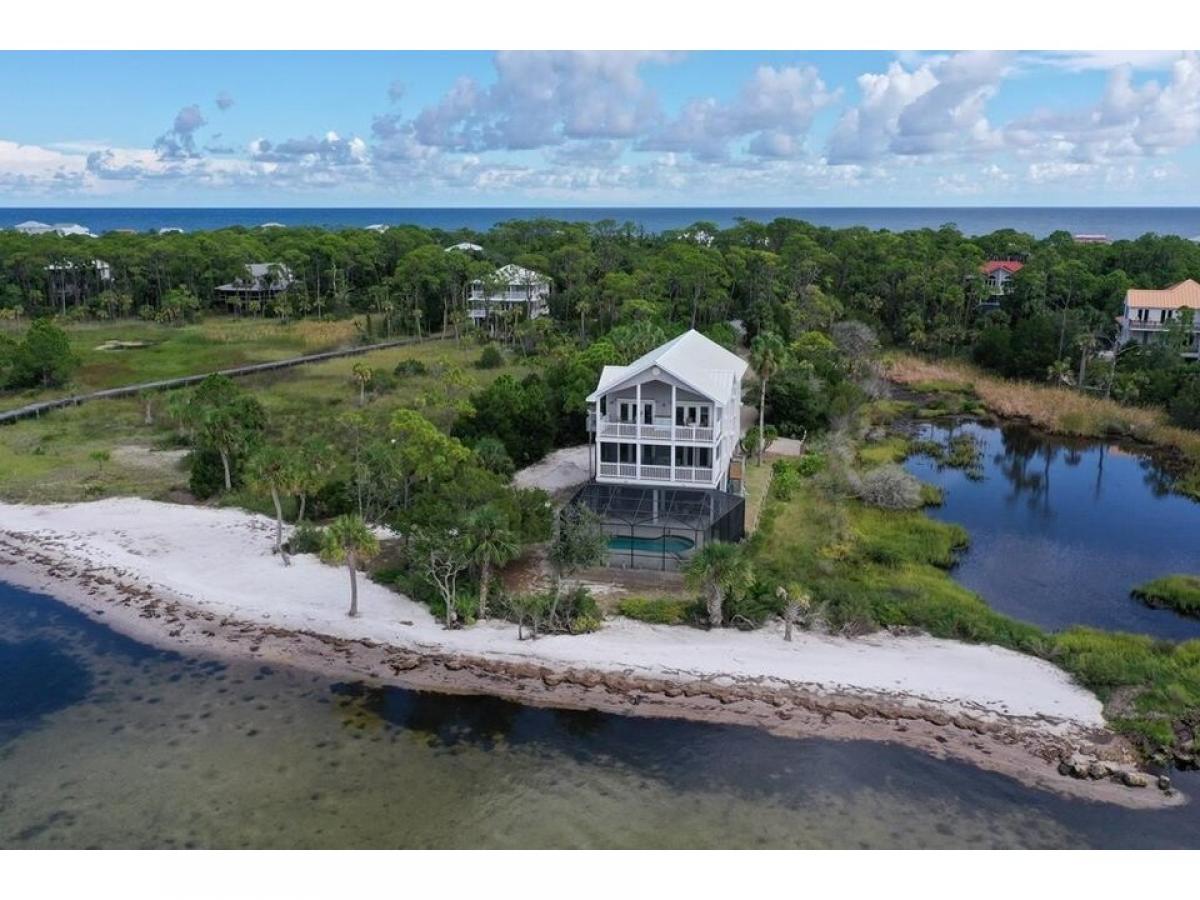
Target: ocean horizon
{"type": "Point", "coordinates": [1121, 222]}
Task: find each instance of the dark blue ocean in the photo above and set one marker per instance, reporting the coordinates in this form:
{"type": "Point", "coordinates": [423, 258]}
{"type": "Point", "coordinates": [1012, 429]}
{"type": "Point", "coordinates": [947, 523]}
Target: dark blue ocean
{"type": "Point", "coordinates": [1115, 222]}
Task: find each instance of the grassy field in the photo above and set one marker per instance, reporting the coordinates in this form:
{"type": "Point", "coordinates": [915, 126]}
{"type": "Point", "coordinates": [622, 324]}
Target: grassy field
{"type": "Point", "coordinates": [757, 481]}
{"type": "Point", "coordinates": [217, 342]}
{"type": "Point", "coordinates": [54, 459]}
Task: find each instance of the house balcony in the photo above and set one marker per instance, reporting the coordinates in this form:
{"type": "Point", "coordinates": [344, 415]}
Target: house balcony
{"type": "Point", "coordinates": [693, 475]}
{"type": "Point", "coordinates": [1135, 325]}
{"type": "Point", "coordinates": [661, 430]}
{"type": "Point", "coordinates": [519, 296]}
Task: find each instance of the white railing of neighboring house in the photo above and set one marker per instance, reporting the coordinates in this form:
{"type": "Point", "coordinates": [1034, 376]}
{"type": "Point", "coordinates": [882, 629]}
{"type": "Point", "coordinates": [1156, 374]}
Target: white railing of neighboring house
{"type": "Point", "coordinates": [1135, 325]}
{"type": "Point", "coordinates": [692, 433]}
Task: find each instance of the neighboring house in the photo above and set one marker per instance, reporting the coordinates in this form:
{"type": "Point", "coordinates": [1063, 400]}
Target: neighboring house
{"type": "Point", "coordinates": [1092, 239]}
{"type": "Point", "coordinates": [261, 281]}
{"type": "Point", "coordinates": [512, 287]}
{"type": "Point", "coordinates": [666, 429]}
{"type": "Point", "coordinates": [671, 417]}
{"type": "Point", "coordinates": [1148, 314]}
{"type": "Point", "coordinates": [998, 273]}
{"type": "Point", "coordinates": [465, 247]}
{"type": "Point", "coordinates": [66, 281]}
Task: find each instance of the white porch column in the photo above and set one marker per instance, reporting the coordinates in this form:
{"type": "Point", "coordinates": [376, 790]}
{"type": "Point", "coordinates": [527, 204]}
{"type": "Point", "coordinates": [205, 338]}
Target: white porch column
{"type": "Point", "coordinates": [673, 415]}
{"type": "Point", "coordinates": [637, 428]}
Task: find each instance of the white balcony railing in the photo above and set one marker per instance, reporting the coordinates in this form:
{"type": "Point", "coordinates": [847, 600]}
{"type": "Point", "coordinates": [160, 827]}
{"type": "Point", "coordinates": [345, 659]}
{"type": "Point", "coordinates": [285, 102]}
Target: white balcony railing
{"type": "Point", "coordinates": [679, 474]}
{"type": "Point", "coordinates": [659, 432]}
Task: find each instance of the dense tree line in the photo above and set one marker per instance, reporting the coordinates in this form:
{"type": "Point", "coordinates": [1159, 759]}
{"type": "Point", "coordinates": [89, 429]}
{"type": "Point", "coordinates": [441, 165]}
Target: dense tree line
{"type": "Point", "coordinates": [919, 289]}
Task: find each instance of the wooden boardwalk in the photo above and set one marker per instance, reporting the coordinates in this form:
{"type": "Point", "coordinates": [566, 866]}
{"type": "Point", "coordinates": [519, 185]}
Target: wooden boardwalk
{"type": "Point", "coordinates": [35, 410]}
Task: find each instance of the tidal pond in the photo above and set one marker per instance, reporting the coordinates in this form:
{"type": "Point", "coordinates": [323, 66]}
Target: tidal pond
{"type": "Point", "coordinates": [1062, 529]}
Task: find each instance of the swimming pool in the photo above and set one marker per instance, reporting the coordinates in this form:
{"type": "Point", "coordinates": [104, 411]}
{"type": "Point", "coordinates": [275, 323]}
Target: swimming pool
{"type": "Point", "coordinates": [667, 543]}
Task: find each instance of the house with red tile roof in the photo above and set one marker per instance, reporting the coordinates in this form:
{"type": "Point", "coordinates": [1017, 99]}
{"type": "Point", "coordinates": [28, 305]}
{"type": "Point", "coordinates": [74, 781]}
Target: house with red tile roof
{"type": "Point", "coordinates": [998, 274]}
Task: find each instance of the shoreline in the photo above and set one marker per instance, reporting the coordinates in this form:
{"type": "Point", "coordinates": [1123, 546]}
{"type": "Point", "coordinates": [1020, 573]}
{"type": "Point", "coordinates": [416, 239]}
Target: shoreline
{"type": "Point", "coordinates": [1026, 743]}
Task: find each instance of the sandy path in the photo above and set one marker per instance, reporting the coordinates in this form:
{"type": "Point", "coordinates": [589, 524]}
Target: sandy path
{"type": "Point", "coordinates": [561, 470]}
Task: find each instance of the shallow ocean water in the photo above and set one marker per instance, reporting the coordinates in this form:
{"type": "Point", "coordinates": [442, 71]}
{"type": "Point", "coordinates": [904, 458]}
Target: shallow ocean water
{"type": "Point", "coordinates": [105, 742]}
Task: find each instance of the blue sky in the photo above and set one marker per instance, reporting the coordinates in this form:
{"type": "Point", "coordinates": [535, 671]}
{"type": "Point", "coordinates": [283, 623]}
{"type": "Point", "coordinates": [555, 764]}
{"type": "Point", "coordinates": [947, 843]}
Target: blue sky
{"type": "Point", "coordinates": [563, 128]}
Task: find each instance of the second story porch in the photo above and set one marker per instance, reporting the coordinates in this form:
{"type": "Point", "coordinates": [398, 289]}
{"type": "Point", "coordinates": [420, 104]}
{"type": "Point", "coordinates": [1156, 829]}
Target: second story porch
{"type": "Point", "coordinates": [657, 410]}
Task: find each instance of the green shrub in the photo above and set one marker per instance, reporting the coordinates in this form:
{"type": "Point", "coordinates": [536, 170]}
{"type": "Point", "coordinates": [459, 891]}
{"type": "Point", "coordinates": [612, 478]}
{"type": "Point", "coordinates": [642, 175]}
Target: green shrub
{"type": "Point", "coordinates": [659, 610]}
{"type": "Point", "coordinates": [332, 499]}
{"type": "Point", "coordinates": [785, 482]}
{"type": "Point", "coordinates": [306, 538]}
{"type": "Point", "coordinates": [574, 611]}
{"type": "Point", "coordinates": [382, 382]}
{"type": "Point", "coordinates": [490, 358]}
{"type": "Point", "coordinates": [753, 607]}
{"type": "Point", "coordinates": [809, 464]}
{"type": "Point", "coordinates": [890, 487]}
{"type": "Point", "coordinates": [410, 367]}
{"type": "Point", "coordinates": [493, 456]}
{"type": "Point", "coordinates": [207, 478]}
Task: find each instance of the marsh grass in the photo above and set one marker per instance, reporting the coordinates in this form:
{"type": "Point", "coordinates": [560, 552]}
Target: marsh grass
{"type": "Point", "coordinates": [1055, 409]}
{"type": "Point", "coordinates": [217, 342]}
{"type": "Point", "coordinates": [1178, 592]}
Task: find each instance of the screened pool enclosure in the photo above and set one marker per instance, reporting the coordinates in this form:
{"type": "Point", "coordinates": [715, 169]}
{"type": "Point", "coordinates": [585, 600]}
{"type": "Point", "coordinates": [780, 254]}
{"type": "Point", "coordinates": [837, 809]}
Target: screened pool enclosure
{"type": "Point", "coordinates": [659, 528]}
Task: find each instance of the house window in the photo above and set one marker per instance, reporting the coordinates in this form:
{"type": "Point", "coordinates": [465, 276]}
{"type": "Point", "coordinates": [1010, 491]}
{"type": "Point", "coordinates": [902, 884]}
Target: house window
{"type": "Point", "coordinates": [692, 414]}
{"type": "Point", "coordinates": [627, 453]}
{"type": "Point", "coordinates": [693, 456]}
{"type": "Point", "coordinates": [603, 405]}
{"type": "Point", "coordinates": [628, 411]}
{"type": "Point", "coordinates": [656, 455]}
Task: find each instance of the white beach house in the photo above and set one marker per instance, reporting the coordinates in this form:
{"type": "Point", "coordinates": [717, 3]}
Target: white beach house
{"type": "Point", "coordinates": [1148, 314]}
{"type": "Point", "coordinates": [670, 418]}
{"type": "Point", "coordinates": [512, 287]}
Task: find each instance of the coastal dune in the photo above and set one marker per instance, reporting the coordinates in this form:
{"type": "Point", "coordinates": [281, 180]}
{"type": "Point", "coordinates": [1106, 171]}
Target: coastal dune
{"type": "Point", "coordinates": [201, 577]}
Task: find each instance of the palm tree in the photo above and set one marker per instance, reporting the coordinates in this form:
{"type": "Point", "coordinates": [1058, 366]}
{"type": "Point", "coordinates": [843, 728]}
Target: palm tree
{"type": "Point", "coordinates": [718, 569]}
{"type": "Point", "coordinates": [178, 409]}
{"type": "Point", "coordinates": [767, 355]}
{"type": "Point", "coordinates": [363, 374]}
{"type": "Point", "coordinates": [276, 471]}
{"type": "Point", "coordinates": [349, 540]}
{"type": "Point", "coordinates": [1059, 372]}
{"type": "Point", "coordinates": [490, 543]}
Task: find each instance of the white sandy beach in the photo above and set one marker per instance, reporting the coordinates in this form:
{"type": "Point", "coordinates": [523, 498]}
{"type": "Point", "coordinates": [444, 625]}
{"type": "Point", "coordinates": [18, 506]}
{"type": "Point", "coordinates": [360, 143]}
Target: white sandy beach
{"type": "Point", "coordinates": [219, 561]}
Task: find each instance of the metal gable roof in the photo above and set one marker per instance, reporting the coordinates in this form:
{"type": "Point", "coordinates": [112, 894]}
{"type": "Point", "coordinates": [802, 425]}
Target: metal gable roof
{"type": "Point", "coordinates": [697, 361]}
